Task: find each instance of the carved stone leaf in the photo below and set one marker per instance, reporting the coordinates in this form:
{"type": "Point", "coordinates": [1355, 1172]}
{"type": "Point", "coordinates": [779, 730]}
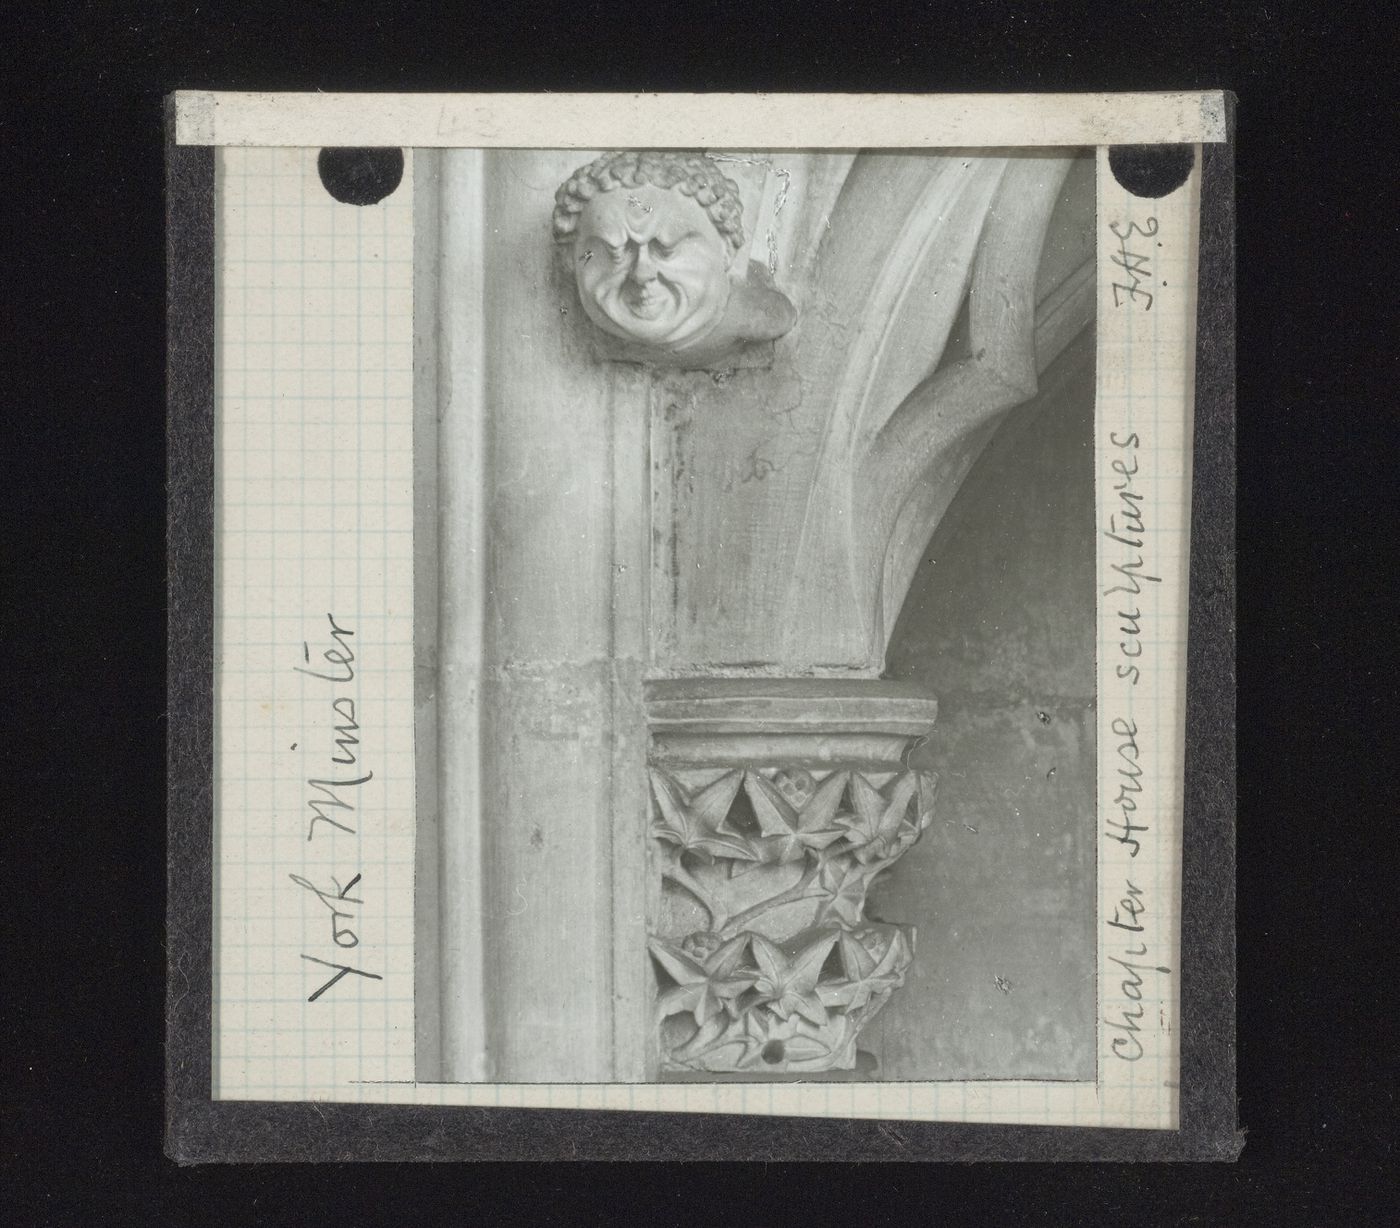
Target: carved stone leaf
{"type": "Point", "coordinates": [776, 815]}
{"type": "Point", "coordinates": [928, 791]}
{"type": "Point", "coordinates": [759, 1005]}
{"type": "Point", "coordinates": [681, 968]}
{"type": "Point", "coordinates": [790, 985]}
{"type": "Point", "coordinates": [789, 832]}
{"type": "Point", "coordinates": [852, 995]}
{"type": "Point", "coordinates": [703, 989]}
{"type": "Point", "coordinates": [754, 1035]}
{"type": "Point", "coordinates": [841, 888]}
{"type": "Point", "coordinates": [703, 1001]}
{"type": "Point", "coordinates": [875, 827]}
{"type": "Point", "coordinates": [693, 822]}
{"type": "Point", "coordinates": [805, 1048]}
{"type": "Point", "coordinates": [711, 1035]}
{"type": "Point", "coordinates": [914, 827]}
{"type": "Point", "coordinates": [866, 976]}
{"type": "Point", "coordinates": [727, 958]}
{"type": "Point", "coordinates": [856, 961]}
{"type": "Point", "coordinates": [802, 1041]}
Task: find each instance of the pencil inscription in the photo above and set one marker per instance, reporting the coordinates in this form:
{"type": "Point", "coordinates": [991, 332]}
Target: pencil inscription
{"type": "Point", "coordinates": [1127, 529]}
{"type": "Point", "coordinates": [1132, 644]}
{"type": "Point", "coordinates": [1135, 267]}
{"type": "Point", "coordinates": [329, 801]}
{"type": "Point", "coordinates": [1129, 920]}
{"type": "Point", "coordinates": [332, 800]}
{"type": "Point", "coordinates": [1121, 827]}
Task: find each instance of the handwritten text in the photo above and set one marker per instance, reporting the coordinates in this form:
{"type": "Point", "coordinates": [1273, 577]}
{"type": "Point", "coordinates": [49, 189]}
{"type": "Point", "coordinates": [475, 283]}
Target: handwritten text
{"type": "Point", "coordinates": [332, 800]}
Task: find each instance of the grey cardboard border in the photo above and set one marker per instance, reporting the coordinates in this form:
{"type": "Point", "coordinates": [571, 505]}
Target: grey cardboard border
{"type": "Point", "coordinates": [201, 1130]}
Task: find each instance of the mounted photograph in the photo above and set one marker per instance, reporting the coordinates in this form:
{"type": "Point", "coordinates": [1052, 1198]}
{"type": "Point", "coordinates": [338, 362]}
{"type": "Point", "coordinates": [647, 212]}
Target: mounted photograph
{"type": "Point", "coordinates": [697, 603]}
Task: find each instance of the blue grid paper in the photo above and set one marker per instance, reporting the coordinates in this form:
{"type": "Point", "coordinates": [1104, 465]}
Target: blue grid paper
{"type": "Point", "coordinates": [314, 513]}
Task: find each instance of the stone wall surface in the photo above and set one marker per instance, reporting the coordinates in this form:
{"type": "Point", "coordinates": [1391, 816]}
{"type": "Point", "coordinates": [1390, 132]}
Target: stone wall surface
{"type": "Point", "coordinates": [1000, 626]}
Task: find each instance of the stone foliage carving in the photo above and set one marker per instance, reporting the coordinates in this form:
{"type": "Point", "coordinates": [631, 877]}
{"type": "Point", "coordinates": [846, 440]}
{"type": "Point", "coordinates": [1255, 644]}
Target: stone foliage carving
{"type": "Point", "coordinates": [654, 243]}
{"type": "Point", "coordinates": [784, 969]}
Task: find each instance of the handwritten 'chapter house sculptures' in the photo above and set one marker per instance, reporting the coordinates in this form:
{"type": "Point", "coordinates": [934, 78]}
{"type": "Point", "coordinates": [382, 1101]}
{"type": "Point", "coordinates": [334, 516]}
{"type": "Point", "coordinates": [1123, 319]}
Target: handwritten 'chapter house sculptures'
{"type": "Point", "coordinates": [655, 242]}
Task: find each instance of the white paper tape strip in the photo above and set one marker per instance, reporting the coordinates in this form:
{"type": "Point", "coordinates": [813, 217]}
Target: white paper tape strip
{"type": "Point", "coordinates": [733, 121]}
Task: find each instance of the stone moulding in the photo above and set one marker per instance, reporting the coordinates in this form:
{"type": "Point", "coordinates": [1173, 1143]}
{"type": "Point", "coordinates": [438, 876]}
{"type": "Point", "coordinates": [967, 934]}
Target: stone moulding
{"type": "Point", "coordinates": [775, 805]}
{"type": "Point", "coordinates": [793, 505]}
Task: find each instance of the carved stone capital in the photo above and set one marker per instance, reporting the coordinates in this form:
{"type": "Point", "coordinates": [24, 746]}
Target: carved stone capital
{"type": "Point", "coordinates": [774, 809]}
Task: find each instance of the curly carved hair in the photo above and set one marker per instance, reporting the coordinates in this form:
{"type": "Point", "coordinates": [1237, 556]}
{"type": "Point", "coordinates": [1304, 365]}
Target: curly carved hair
{"type": "Point", "coordinates": [691, 174]}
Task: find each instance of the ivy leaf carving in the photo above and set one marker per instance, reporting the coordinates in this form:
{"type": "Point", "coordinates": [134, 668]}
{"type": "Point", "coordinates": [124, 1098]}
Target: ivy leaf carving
{"type": "Point", "coordinates": [753, 1037]}
{"type": "Point", "coordinates": [790, 985]}
{"type": "Point", "coordinates": [693, 822]}
{"type": "Point", "coordinates": [789, 832]}
{"type": "Point", "coordinates": [923, 810]}
{"type": "Point", "coordinates": [874, 830]}
{"type": "Point", "coordinates": [801, 1041]}
{"type": "Point", "coordinates": [865, 975]}
{"type": "Point", "coordinates": [802, 1047]}
{"type": "Point", "coordinates": [841, 887]}
{"type": "Point", "coordinates": [703, 988]}
{"type": "Point", "coordinates": [711, 1035]}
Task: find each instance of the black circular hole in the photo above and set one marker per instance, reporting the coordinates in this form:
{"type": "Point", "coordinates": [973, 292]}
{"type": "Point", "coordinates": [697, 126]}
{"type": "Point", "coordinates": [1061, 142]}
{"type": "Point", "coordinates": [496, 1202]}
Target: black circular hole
{"type": "Point", "coordinates": [1152, 171]}
{"type": "Point", "coordinates": [773, 1052]}
{"type": "Point", "coordinates": [360, 176]}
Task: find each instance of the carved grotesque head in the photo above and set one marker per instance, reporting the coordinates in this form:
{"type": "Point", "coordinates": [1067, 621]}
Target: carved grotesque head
{"type": "Point", "coordinates": [651, 237]}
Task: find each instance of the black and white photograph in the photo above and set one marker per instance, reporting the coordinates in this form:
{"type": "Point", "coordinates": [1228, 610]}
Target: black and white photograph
{"type": "Point", "coordinates": [758, 738]}
{"type": "Point", "coordinates": [696, 615]}
{"type": "Point", "coordinates": [699, 627]}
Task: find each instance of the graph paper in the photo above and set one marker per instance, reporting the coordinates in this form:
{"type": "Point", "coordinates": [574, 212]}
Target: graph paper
{"type": "Point", "coordinates": [314, 526]}
{"type": "Point", "coordinates": [314, 689]}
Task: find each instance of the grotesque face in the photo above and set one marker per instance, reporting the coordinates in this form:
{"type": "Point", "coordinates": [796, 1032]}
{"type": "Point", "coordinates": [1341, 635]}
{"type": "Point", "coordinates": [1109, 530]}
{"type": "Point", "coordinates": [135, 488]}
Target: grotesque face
{"type": "Point", "coordinates": [651, 266]}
